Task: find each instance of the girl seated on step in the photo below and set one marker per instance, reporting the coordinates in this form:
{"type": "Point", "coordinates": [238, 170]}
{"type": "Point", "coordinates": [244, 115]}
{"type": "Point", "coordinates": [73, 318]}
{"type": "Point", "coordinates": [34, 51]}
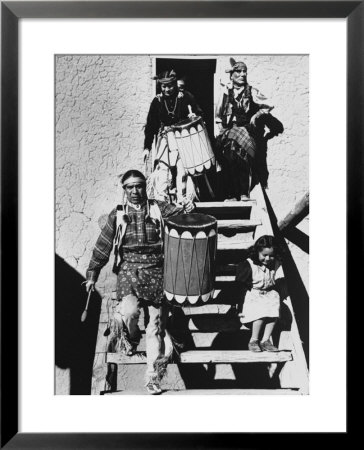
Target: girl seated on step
{"type": "Point", "coordinates": [257, 275]}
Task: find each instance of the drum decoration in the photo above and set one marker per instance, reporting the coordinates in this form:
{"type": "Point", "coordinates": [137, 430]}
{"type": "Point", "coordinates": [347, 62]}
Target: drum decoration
{"type": "Point", "coordinates": [190, 242]}
{"type": "Point", "coordinates": [191, 139]}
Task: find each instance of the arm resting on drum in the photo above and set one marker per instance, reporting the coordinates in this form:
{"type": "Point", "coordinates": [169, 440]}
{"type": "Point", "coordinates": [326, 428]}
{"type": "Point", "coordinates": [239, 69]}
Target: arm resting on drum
{"type": "Point", "coordinates": [168, 210]}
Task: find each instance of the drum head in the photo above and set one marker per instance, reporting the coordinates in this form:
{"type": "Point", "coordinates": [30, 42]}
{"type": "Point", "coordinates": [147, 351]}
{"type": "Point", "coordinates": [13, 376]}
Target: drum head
{"type": "Point", "coordinates": [191, 222]}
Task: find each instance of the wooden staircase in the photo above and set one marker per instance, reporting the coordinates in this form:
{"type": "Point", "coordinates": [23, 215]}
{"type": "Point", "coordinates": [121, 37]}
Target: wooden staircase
{"type": "Point", "coordinates": [215, 359]}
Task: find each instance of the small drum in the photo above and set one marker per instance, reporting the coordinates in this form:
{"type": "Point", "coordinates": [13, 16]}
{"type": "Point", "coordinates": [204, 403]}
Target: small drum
{"type": "Point", "coordinates": [189, 255]}
{"type": "Point", "coordinates": [191, 139]}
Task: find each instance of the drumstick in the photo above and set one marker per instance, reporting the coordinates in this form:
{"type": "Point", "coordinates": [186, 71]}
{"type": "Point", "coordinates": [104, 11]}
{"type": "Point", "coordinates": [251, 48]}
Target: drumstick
{"type": "Point", "coordinates": [84, 314]}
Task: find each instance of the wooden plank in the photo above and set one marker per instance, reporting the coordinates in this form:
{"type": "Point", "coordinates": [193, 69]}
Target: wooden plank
{"type": "Point", "coordinates": [245, 234]}
{"type": "Point", "coordinates": [237, 223]}
{"type": "Point", "coordinates": [214, 392]}
{"type": "Point", "coordinates": [209, 356]}
{"type": "Point", "coordinates": [206, 309]}
{"type": "Point", "coordinates": [225, 278]}
{"type": "Point", "coordinates": [118, 358]}
{"type": "Point", "coordinates": [233, 244]}
{"type": "Point", "coordinates": [223, 205]}
{"type": "Point", "coordinates": [233, 356]}
{"type": "Point", "coordinates": [297, 213]}
{"type": "Point", "coordinates": [216, 323]}
{"type": "Point", "coordinates": [228, 210]}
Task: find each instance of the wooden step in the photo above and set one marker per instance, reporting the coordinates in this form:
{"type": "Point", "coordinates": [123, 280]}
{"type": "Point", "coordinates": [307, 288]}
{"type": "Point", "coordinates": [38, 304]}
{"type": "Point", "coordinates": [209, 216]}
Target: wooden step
{"type": "Point", "coordinates": [233, 356]}
{"type": "Point", "coordinates": [223, 205]}
{"type": "Point", "coordinates": [213, 392]}
{"type": "Point", "coordinates": [204, 334]}
{"type": "Point", "coordinates": [226, 210]}
{"type": "Point", "coordinates": [232, 224]}
{"type": "Point", "coordinates": [209, 356]}
{"type": "Point", "coordinates": [230, 244]}
{"type": "Point", "coordinates": [244, 238]}
{"type": "Point", "coordinates": [225, 278]}
{"type": "Point", "coordinates": [206, 309]}
{"type": "Point", "coordinates": [217, 323]}
{"type": "Point", "coordinates": [194, 324]}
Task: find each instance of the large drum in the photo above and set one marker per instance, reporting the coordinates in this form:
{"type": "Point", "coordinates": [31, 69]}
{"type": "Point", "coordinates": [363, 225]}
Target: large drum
{"type": "Point", "coordinates": [189, 255]}
{"type": "Point", "coordinates": [191, 139]}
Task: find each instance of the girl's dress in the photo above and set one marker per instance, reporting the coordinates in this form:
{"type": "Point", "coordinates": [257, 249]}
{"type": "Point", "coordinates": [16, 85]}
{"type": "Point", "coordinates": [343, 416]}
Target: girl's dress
{"type": "Point", "coordinates": [261, 298]}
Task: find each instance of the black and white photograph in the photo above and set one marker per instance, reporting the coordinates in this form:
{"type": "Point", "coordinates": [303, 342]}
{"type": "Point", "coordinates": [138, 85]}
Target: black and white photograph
{"type": "Point", "coordinates": [181, 199]}
{"type": "Point", "coordinates": [181, 224]}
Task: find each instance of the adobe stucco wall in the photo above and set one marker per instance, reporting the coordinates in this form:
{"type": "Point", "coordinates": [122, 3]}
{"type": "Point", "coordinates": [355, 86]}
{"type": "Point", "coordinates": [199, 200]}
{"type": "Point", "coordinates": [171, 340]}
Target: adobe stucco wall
{"type": "Point", "coordinates": [101, 107]}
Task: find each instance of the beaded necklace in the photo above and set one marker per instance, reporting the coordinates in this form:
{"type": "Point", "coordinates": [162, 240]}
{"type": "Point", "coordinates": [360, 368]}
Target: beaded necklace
{"type": "Point", "coordinates": [171, 113]}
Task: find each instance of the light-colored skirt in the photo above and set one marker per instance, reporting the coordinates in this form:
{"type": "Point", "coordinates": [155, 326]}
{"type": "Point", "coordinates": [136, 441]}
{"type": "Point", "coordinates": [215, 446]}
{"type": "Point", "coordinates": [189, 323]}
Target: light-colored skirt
{"type": "Point", "coordinates": [259, 304]}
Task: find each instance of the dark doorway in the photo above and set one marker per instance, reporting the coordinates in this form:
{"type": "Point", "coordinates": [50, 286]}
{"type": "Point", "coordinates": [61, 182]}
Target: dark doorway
{"type": "Point", "coordinates": [199, 79]}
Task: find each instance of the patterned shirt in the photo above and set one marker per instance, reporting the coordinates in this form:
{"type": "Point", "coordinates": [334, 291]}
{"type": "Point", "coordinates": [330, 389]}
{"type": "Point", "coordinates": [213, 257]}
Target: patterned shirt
{"type": "Point", "coordinates": [142, 235]}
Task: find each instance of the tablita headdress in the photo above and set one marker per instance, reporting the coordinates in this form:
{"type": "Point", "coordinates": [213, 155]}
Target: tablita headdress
{"type": "Point", "coordinates": [166, 77]}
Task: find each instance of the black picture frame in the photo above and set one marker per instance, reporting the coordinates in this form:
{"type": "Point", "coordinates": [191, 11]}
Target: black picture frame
{"type": "Point", "coordinates": [11, 13]}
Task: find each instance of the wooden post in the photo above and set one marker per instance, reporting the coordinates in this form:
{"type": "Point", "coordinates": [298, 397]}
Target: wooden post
{"type": "Point", "coordinates": [299, 211]}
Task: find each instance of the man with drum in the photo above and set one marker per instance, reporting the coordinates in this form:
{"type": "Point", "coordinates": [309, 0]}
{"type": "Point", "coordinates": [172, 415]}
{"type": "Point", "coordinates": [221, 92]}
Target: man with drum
{"type": "Point", "coordinates": [168, 108]}
{"type": "Point", "coordinates": [134, 230]}
{"type": "Point", "coordinates": [241, 120]}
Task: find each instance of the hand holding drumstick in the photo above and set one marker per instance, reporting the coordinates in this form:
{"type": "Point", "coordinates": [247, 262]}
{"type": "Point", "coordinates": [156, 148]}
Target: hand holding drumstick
{"type": "Point", "coordinates": [191, 114]}
{"type": "Point", "coordinates": [90, 287]}
{"type": "Point", "coordinates": [188, 205]}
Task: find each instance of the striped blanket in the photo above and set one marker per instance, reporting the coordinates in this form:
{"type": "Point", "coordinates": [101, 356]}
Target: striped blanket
{"type": "Point", "coordinates": [240, 136]}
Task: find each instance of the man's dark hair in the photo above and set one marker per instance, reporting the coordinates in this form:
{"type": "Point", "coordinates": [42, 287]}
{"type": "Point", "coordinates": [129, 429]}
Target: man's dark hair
{"type": "Point", "coordinates": [132, 173]}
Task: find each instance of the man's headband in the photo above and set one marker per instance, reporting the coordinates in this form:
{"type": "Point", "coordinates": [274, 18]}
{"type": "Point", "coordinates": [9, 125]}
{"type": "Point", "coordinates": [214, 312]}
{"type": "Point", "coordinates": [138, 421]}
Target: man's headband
{"type": "Point", "coordinates": [166, 77]}
{"type": "Point", "coordinates": [133, 179]}
{"type": "Point", "coordinates": [236, 65]}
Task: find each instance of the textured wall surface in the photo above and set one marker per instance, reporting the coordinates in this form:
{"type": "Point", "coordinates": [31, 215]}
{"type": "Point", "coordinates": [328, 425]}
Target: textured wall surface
{"type": "Point", "coordinates": [101, 107]}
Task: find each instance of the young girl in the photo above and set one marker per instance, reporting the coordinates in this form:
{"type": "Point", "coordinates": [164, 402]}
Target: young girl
{"type": "Point", "coordinates": [262, 301]}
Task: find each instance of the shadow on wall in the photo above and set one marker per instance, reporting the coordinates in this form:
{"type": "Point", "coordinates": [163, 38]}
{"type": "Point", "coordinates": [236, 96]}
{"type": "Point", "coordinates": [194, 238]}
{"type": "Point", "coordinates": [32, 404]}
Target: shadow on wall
{"type": "Point", "coordinates": [297, 290]}
{"type": "Point", "coordinates": [260, 167]}
{"type": "Point", "coordinates": [75, 341]}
